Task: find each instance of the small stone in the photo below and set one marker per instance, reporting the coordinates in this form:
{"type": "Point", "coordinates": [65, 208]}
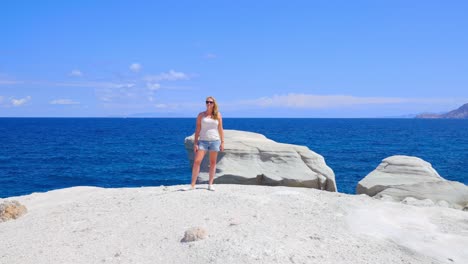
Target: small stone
{"type": "Point", "coordinates": [11, 210]}
{"type": "Point", "coordinates": [194, 234]}
{"type": "Point", "coordinates": [234, 222]}
{"type": "Point", "coordinates": [385, 197]}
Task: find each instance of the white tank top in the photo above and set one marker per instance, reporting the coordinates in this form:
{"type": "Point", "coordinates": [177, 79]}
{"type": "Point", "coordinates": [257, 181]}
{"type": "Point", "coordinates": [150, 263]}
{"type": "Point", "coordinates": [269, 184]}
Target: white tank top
{"type": "Point", "coordinates": [209, 129]}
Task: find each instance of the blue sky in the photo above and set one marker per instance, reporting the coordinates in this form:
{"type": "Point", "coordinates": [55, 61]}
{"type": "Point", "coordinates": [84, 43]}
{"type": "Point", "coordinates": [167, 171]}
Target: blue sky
{"type": "Point", "coordinates": [257, 58]}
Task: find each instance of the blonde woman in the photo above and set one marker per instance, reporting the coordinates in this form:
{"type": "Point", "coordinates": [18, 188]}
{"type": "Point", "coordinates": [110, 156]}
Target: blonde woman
{"type": "Point", "coordinates": [209, 137]}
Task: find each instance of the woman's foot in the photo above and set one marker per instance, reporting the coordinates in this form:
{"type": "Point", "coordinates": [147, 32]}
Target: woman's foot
{"type": "Point", "coordinates": [190, 188]}
{"type": "Point", "coordinates": [211, 187]}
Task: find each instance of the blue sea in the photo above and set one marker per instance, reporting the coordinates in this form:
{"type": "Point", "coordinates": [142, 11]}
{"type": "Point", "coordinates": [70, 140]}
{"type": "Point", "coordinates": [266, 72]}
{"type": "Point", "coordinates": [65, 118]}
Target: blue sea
{"type": "Point", "coordinates": [41, 154]}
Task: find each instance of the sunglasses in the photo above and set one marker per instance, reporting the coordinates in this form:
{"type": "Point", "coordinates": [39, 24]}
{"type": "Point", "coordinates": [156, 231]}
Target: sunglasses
{"type": "Point", "coordinates": [209, 102]}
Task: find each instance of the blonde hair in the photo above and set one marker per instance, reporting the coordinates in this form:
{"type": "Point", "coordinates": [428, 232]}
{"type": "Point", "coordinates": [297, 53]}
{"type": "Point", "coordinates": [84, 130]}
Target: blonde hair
{"type": "Point", "coordinates": [215, 112]}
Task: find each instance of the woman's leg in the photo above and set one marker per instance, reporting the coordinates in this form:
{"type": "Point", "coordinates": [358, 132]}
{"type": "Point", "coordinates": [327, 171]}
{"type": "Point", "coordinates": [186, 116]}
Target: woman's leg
{"type": "Point", "coordinates": [213, 158]}
{"type": "Point", "coordinates": [196, 166]}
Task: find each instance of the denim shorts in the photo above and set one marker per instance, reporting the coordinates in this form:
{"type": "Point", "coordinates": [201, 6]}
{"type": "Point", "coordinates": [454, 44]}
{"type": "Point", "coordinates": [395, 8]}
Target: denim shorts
{"type": "Point", "coordinates": [209, 145]}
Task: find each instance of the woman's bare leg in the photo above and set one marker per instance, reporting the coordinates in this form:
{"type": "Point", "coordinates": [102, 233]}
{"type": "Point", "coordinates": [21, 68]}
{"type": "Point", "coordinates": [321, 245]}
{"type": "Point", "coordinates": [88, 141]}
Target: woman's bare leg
{"type": "Point", "coordinates": [196, 166]}
{"type": "Point", "coordinates": [213, 158]}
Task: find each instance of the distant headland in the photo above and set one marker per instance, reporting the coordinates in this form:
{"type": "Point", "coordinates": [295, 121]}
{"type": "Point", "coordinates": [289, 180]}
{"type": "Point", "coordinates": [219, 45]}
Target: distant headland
{"type": "Point", "coordinates": [460, 113]}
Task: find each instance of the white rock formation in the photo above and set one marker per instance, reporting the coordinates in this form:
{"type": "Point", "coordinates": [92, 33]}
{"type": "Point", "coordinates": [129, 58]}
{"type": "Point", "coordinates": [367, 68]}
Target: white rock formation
{"type": "Point", "coordinates": [244, 224]}
{"type": "Point", "coordinates": [401, 177]}
{"type": "Point", "coordinates": [251, 158]}
{"type": "Point", "coordinates": [397, 170]}
{"type": "Point", "coordinates": [455, 193]}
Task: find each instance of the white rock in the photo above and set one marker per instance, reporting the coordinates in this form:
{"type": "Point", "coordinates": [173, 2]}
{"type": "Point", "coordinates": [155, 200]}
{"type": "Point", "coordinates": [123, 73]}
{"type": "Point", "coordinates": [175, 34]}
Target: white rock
{"type": "Point", "coordinates": [251, 158]}
{"type": "Point", "coordinates": [397, 170]}
{"type": "Point", "coordinates": [449, 191]}
{"type": "Point", "coordinates": [276, 225]}
{"type": "Point", "coordinates": [403, 176]}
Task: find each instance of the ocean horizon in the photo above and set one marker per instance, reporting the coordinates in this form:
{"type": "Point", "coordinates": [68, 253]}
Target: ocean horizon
{"type": "Point", "coordinates": [39, 154]}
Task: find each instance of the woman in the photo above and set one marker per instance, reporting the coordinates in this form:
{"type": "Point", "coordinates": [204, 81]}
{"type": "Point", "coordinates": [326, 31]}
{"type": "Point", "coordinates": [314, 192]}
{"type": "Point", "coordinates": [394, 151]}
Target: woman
{"type": "Point", "coordinates": [209, 136]}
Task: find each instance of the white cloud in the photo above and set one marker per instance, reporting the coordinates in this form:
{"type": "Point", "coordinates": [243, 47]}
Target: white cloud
{"type": "Point", "coordinates": [167, 76]}
{"type": "Point", "coordinates": [311, 101]}
{"type": "Point", "coordinates": [20, 102]}
{"type": "Point", "coordinates": [210, 56]}
{"type": "Point", "coordinates": [76, 73]}
{"type": "Point", "coordinates": [97, 84]}
{"type": "Point", "coordinates": [131, 94]}
{"type": "Point", "coordinates": [64, 102]}
{"type": "Point", "coordinates": [153, 86]}
{"type": "Point", "coordinates": [9, 82]}
{"type": "Point", "coordinates": [135, 67]}
{"type": "Point", "coordinates": [106, 98]}
{"type": "Point", "coordinates": [179, 106]}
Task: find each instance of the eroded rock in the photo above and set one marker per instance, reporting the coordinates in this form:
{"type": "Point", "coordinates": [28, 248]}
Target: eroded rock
{"type": "Point", "coordinates": [413, 181]}
{"type": "Point", "coordinates": [11, 210]}
{"type": "Point", "coordinates": [251, 158]}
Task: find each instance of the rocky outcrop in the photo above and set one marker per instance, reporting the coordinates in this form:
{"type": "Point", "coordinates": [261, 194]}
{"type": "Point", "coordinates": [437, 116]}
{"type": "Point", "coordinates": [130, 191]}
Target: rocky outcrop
{"type": "Point", "coordinates": [400, 177]}
{"type": "Point", "coordinates": [429, 116]}
{"type": "Point", "coordinates": [239, 223]}
{"type": "Point", "coordinates": [440, 192]}
{"type": "Point", "coordinates": [460, 113]}
{"type": "Point", "coordinates": [11, 210]}
{"type": "Point", "coordinates": [251, 158]}
{"type": "Point", "coordinates": [397, 170]}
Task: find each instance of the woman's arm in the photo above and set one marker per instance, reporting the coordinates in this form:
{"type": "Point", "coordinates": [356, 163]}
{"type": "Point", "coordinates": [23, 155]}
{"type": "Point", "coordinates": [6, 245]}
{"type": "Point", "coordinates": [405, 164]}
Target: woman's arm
{"type": "Point", "coordinates": [221, 131]}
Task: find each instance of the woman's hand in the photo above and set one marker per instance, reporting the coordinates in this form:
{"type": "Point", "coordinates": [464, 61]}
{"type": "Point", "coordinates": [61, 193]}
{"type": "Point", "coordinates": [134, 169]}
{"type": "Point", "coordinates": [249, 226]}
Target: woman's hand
{"type": "Point", "coordinates": [195, 147]}
{"type": "Point", "coordinates": [221, 148]}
